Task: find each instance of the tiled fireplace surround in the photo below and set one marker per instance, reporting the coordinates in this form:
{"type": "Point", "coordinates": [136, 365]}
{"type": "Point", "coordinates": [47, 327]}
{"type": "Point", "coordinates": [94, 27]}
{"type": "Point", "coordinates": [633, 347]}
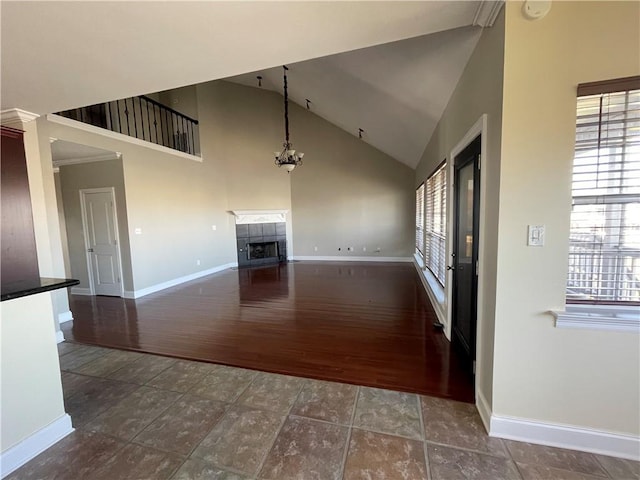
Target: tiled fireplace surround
{"type": "Point", "coordinates": [260, 227]}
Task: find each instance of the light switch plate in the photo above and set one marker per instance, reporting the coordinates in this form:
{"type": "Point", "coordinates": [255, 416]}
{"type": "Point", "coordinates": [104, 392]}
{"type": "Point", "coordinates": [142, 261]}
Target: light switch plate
{"type": "Point", "coordinates": [138, 231]}
{"type": "Point", "coordinates": [535, 235]}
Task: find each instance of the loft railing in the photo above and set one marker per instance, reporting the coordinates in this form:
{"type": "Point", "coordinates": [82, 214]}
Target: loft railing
{"type": "Point", "coordinates": [144, 118]}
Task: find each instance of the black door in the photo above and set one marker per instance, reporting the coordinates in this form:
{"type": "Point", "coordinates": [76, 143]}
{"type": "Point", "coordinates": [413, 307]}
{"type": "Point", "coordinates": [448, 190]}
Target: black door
{"type": "Point", "coordinates": [465, 251]}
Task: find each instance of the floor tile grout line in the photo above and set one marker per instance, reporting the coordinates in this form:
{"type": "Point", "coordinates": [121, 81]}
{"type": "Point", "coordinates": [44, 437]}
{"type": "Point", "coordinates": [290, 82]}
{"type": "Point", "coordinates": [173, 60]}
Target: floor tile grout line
{"type": "Point", "coordinates": [427, 465]}
{"type": "Point", "coordinates": [226, 409]}
{"type": "Point", "coordinates": [152, 420]}
{"type": "Point", "coordinates": [466, 449]}
{"type": "Point", "coordinates": [604, 469]}
{"type": "Point", "coordinates": [229, 405]}
{"type": "Point", "coordinates": [421, 417]}
{"type": "Point", "coordinates": [284, 420]}
{"type": "Point", "coordinates": [319, 420]}
{"type": "Point", "coordinates": [345, 454]}
{"type": "Point", "coordinates": [347, 445]}
{"type": "Point", "coordinates": [380, 432]}
{"type": "Point", "coordinates": [121, 443]}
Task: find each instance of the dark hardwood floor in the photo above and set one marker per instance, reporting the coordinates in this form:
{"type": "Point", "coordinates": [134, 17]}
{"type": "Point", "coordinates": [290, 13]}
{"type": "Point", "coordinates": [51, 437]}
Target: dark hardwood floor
{"type": "Point", "coordinates": [361, 323]}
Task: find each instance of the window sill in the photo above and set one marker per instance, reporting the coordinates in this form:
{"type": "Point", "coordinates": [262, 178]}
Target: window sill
{"type": "Point", "coordinates": [599, 317]}
{"type": "Point", "coordinates": [436, 289]}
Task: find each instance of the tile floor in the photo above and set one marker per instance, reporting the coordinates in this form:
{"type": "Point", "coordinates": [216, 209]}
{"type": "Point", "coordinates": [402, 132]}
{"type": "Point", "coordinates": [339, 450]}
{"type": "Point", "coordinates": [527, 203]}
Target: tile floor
{"type": "Point", "coordinates": [140, 416]}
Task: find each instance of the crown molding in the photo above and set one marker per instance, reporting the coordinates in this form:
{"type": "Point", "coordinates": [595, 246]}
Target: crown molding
{"type": "Point", "coordinates": [94, 158]}
{"type": "Point", "coordinates": [487, 13]}
{"type": "Point", "coordinates": [16, 117]}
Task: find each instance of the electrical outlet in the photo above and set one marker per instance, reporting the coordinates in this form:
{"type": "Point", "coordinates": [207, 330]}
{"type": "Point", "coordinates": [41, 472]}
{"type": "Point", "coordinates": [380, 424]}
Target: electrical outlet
{"type": "Point", "coordinates": [214, 228]}
{"type": "Point", "coordinates": [364, 249]}
{"type": "Point", "coordinates": [138, 231]}
{"type": "Point", "coordinates": [350, 249]}
{"type": "Point", "coordinates": [378, 250]}
{"type": "Point", "coordinates": [198, 262]}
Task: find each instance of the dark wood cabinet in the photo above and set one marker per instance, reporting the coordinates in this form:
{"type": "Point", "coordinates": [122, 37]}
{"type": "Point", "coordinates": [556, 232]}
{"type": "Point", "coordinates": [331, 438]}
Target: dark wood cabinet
{"type": "Point", "coordinates": [19, 260]}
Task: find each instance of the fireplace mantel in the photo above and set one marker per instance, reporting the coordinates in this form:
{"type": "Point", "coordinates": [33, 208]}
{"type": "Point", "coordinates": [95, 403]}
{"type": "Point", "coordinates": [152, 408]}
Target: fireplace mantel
{"type": "Point", "coordinates": [244, 217]}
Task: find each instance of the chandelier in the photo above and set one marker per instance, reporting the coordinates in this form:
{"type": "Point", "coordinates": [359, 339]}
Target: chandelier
{"type": "Point", "coordinates": [288, 157]}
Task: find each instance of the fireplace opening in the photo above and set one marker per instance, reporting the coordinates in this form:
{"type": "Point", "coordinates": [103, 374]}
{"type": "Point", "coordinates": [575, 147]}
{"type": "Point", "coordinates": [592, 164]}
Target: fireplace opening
{"type": "Point", "coordinates": [262, 250]}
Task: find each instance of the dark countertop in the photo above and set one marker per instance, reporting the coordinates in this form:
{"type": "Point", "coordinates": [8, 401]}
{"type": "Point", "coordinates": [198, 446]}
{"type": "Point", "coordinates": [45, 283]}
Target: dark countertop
{"type": "Point", "coordinates": [32, 286]}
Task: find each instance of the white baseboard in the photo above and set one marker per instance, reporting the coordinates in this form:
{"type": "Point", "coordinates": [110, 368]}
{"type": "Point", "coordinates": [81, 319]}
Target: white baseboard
{"type": "Point", "coordinates": [177, 281]}
{"type": "Point", "coordinates": [65, 316]}
{"type": "Point", "coordinates": [564, 436]}
{"type": "Point", "coordinates": [484, 409]}
{"type": "Point", "coordinates": [80, 291]}
{"type": "Point", "coordinates": [59, 336]}
{"type": "Point", "coordinates": [16, 456]}
{"type": "Point", "coordinates": [354, 259]}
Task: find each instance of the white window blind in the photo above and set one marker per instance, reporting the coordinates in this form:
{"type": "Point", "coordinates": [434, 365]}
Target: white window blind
{"type": "Point", "coordinates": [420, 220]}
{"type": "Point", "coordinates": [604, 251]}
{"type": "Point", "coordinates": [436, 223]}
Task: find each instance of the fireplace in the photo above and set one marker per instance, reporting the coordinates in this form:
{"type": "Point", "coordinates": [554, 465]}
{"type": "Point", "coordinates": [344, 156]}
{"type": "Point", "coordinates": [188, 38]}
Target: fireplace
{"type": "Point", "coordinates": [262, 250]}
{"type": "Point", "coordinates": [261, 237]}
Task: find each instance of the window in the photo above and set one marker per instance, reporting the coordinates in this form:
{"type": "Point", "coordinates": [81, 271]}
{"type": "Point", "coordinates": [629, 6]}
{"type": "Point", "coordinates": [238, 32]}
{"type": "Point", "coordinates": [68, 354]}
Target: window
{"type": "Point", "coordinates": [436, 223]}
{"type": "Point", "coordinates": [420, 220]}
{"type": "Point", "coordinates": [604, 249]}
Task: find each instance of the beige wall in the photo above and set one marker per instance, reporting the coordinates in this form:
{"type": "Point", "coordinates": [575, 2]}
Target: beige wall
{"type": "Point", "coordinates": [584, 378]}
{"type": "Point", "coordinates": [30, 385]}
{"type": "Point", "coordinates": [479, 91]}
{"type": "Point", "coordinates": [176, 202]}
{"type": "Point", "coordinates": [347, 194]}
{"type": "Point", "coordinates": [63, 225]}
{"type": "Point", "coordinates": [74, 178]}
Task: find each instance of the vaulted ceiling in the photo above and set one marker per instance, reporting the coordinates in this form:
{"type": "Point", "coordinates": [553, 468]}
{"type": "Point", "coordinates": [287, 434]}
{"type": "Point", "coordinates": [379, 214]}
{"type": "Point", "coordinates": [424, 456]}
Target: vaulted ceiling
{"type": "Point", "coordinates": [395, 92]}
{"type": "Point", "coordinates": [61, 55]}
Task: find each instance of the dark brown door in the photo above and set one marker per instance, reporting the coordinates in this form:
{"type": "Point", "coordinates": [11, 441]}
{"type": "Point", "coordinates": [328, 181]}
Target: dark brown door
{"type": "Point", "coordinates": [465, 251]}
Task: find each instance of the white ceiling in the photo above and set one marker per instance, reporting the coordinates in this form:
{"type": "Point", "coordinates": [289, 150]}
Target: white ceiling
{"type": "Point", "coordinates": [395, 92]}
{"type": "Point", "coordinates": [61, 151]}
{"type": "Point", "coordinates": [402, 60]}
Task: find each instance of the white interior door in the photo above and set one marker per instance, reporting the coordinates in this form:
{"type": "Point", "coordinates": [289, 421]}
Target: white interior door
{"type": "Point", "coordinates": [101, 238]}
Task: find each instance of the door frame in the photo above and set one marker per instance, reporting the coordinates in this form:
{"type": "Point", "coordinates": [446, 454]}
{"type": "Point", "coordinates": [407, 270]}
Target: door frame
{"type": "Point", "coordinates": [85, 231]}
{"type": "Point", "coordinates": [478, 129]}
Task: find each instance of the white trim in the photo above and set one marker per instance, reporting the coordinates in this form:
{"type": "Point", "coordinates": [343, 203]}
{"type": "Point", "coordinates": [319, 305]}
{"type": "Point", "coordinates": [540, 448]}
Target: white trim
{"type": "Point", "coordinates": [177, 281]}
{"type": "Point", "coordinates": [30, 447]}
{"type": "Point", "coordinates": [487, 13]}
{"type": "Point", "coordinates": [119, 136]}
{"type": "Point", "coordinates": [16, 117]}
{"type": "Point", "coordinates": [434, 290]}
{"type": "Point", "coordinates": [478, 128]}
{"type": "Point", "coordinates": [258, 212]}
{"type": "Point", "coordinates": [353, 259]}
{"type": "Point", "coordinates": [59, 336]}
{"type": "Point", "coordinates": [247, 217]}
{"type": "Point", "coordinates": [65, 316]}
{"type": "Point", "coordinates": [483, 409]}
{"type": "Point", "coordinates": [103, 157]}
{"type": "Point", "coordinates": [80, 291]}
{"type": "Point", "coordinates": [565, 436]}
{"type": "Point", "coordinates": [599, 317]}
